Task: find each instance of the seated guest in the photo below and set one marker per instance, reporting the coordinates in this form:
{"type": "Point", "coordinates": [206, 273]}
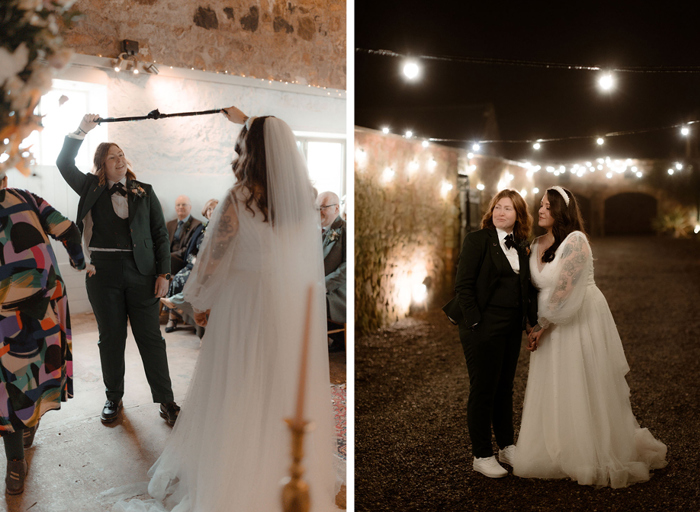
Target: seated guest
{"type": "Point", "coordinates": [179, 279]}
{"type": "Point", "coordinates": [334, 259]}
{"type": "Point", "coordinates": [181, 231]}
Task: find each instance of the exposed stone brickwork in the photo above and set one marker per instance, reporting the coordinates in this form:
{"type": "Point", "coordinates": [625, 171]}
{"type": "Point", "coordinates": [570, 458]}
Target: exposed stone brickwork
{"type": "Point", "coordinates": [302, 41]}
{"type": "Point", "coordinates": [406, 230]}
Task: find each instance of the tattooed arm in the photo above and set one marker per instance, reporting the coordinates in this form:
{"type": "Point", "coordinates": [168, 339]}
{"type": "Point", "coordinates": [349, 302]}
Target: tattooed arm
{"type": "Point", "coordinates": [572, 275]}
{"type": "Point", "coordinates": [214, 256]}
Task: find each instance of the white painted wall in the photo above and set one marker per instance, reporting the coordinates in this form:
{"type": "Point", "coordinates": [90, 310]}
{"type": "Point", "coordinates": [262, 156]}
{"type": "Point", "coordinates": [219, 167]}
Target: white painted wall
{"type": "Point", "coordinates": [189, 155]}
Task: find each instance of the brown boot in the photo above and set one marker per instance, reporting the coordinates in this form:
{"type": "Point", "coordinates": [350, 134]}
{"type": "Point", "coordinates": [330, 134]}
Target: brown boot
{"type": "Point", "coordinates": [16, 473]}
{"type": "Point", "coordinates": [28, 435]}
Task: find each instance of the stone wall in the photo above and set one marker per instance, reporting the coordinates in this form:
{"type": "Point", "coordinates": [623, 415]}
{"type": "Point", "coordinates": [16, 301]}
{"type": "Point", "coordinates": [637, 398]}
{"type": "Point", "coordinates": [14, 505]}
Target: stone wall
{"type": "Point", "coordinates": [406, 226]}
{"type": "Point", "coordinates": [299, 42]}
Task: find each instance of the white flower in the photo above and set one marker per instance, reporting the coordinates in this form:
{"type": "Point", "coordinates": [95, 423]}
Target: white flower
{"type": "Point", "coordinates": [59, 59]}
{"type": "Point", "coordinates": [13, 63]}
{"type": "Point", "coordinates": [19, 93]}
{"type": "Point", "coordinates": [42, 78]}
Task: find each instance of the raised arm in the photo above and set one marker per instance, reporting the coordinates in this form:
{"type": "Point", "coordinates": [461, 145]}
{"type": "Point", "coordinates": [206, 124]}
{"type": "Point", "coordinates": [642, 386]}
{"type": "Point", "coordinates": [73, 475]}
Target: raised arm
{"type": "Point", "coordinates": [66, 158]}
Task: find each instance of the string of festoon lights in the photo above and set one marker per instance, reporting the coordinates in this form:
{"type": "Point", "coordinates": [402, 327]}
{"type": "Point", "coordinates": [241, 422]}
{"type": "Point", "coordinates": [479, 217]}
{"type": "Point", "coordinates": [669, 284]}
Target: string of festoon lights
{"type": "Point", "coordinates": [534, 64]}
{"type": "Point", "coordinates": [611, 167]}
{"type": "Point", "coordinates": [150, 67]}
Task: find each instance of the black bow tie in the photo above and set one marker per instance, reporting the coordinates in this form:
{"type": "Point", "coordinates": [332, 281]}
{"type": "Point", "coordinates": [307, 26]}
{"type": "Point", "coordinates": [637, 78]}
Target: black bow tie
{"type": "Point", "coordinates": [510, 242]}
{"type": "Point", "coordinates": [117, 188]}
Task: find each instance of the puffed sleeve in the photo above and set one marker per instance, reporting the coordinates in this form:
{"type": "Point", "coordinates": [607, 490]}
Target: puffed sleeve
{"type": "Point", "coordinates": [214, 257]}
{"type": "Point", "coordinates": [572, 271]}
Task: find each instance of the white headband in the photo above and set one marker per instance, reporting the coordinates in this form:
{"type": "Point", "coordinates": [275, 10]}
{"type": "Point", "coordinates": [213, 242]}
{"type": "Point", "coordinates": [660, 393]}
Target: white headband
{"type": "Point", "coordinates": [562, 192]}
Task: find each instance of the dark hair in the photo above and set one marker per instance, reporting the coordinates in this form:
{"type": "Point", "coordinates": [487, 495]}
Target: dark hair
{"type": "Point", "coordinates": [567, 219]}
{"type": "Point", "coordinates": [250, 168]}
{"type": "Point", "coordinates": [99, 162]}
{"type": "Point", "coordinates": [523, 219]}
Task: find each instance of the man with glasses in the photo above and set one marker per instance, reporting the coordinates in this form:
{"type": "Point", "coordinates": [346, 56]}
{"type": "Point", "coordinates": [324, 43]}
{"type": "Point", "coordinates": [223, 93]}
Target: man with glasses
{"type": "Point", "coordinates": [334, 261]}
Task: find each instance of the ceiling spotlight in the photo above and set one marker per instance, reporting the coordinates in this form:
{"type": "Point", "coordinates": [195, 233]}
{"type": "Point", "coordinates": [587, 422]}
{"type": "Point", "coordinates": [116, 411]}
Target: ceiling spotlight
{"type": "Point", "coordinates": [606, 82]}
{"type": "Point", "coordinates": [537, 145]}
{"type": "Point", "coordinates": [150, 68]}
{"type": "Point", "coordinates": [670, 172]}
{"type": "Point", "coordinates": [679, 166]}
{"type": "Point", "coordinates": [685, 131]}
{"type": "Point", "coordinates": [476, 147]}
{"type": "Point", "coordinates": [409, 134]}
{"type": "Point", "coordinates": [411, 70]}
{"type": "Point", "coordinates": [385, 130]}
{"type": "Point", "coordinates": [425, 143]}
{"type": "Point", "coordinates": [600, 141]}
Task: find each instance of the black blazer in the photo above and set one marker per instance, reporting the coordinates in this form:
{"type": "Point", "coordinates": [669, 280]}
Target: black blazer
{"type": "Point", "coordinates": [148, 234]}
{"type": "Point", "coordinates": [480, 264]}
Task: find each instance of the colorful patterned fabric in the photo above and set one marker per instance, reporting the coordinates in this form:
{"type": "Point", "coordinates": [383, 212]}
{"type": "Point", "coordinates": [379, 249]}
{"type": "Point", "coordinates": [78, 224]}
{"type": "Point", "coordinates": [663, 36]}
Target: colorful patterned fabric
{"type": "Point", "coordinates": [36, 369]}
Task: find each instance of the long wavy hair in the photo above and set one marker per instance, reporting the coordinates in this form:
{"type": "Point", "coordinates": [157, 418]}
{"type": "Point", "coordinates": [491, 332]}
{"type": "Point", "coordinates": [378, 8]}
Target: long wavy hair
{"type": "Point", "coordinates": [566, 220]}
{"type": "Point", "coordinates": [250, 168]}
{"type": "Point", "coordinates": [99, 159]}
{"type": "Point", "coordinates": [523, 219]}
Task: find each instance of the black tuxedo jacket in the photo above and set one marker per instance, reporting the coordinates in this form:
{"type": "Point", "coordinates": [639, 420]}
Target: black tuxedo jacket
{"type": "Point", "coordinates": [148, 234]}
{"type": "Point", "coordinates": [480, 265]}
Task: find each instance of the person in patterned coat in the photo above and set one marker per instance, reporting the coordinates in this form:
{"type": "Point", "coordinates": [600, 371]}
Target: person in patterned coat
{"type": "Point", "coordinates": [36, 365]}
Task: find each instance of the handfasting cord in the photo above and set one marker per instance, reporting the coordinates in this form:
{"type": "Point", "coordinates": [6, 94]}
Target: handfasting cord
{"type": "Point", "coordinates": [155, 114]}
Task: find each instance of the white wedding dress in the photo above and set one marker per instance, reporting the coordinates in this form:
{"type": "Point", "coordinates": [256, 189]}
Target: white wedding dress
{"type": "Point", "coordinates": [230, 447]}
{"type": "Point", "coordinates": [577, 419]}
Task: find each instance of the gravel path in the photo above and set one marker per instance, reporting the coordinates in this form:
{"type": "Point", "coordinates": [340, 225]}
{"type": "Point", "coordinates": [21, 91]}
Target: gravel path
{"type": "Point", "coordinates": [411, 443]}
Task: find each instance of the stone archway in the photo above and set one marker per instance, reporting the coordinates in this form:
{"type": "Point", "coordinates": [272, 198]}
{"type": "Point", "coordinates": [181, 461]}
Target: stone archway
{"type": "Point", "coordinates": [630, 213]}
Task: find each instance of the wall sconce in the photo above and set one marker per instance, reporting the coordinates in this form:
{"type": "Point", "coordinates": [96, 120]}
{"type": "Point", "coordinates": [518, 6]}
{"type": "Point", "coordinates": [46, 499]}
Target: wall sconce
{"type": "Point", "coordinates": [128, 60]}
{"type": "Point", "coordinates": [131, 63]}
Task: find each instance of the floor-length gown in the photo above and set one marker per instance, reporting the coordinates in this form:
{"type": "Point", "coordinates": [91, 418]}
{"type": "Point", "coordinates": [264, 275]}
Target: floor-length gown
{"type": "Point", "coordinates": [577, 419]}
{"type": "Point", "coordinates": [230, 447]}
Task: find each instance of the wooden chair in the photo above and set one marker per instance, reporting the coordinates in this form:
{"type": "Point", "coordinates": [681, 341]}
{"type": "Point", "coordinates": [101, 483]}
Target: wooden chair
{"type": "Point", "coordinates": [341, 327]}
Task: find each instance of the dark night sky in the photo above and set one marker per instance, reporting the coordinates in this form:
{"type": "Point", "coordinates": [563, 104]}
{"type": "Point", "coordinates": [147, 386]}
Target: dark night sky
{"type": "Point", "coordinates": [531, 103]}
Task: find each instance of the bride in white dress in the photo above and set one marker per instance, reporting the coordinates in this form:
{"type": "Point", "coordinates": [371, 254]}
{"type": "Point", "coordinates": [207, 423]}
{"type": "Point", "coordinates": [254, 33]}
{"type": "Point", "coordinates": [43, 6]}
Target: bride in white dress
{"type": "Point", "coordinates": [577, 419]}
{"type": "Point", "coordinates": [230, 447]}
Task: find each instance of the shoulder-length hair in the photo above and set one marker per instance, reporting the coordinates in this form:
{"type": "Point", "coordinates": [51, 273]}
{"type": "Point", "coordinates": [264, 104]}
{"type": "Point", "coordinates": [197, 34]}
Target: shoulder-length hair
{"type": "Point", "coordinates": [567, 219]}
{"type": "Point", "coordinates": [99, 159]}
{"type": "Point", "coordinates": [523, 219]}
{"type": "Point", "coordinates": [250, 168]}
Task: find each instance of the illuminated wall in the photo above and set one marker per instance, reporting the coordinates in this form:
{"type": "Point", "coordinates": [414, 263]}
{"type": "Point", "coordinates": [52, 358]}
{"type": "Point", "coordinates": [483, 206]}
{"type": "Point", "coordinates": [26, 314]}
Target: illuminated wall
{"type": "Point", "coordinates": [406, 226]}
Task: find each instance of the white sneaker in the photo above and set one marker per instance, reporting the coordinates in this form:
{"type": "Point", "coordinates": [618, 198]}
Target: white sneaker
{"type": "Point", "coordinates": [507, 455]}
{"type": "Point", "coordinates": [488, 466]}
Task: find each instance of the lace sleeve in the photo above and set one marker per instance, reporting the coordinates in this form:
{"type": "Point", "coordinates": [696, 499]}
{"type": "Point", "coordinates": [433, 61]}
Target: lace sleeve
{"type": "Point", "coordinates": [214, 257]}
{"type": "Point", "coordinates": [566, 297]}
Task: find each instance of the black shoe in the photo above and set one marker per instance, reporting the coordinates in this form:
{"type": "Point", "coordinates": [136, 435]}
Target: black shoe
{"type": "Point", "coordinates": [171, 326]}
{"type": "Point", "coordinates": [111, 411]}
{"type": "Point", "coordinates": [169, 412]}
{"type": "Point", "coordinates": [16, 473]}
{"type": "Point", "coordinates": [28, 435]}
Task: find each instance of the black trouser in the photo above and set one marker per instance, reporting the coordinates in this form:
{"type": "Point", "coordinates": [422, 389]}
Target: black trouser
{"type": "Point", "coordinates": [117, 291]}
{"type": "Point", "coordinates": [491, 351]}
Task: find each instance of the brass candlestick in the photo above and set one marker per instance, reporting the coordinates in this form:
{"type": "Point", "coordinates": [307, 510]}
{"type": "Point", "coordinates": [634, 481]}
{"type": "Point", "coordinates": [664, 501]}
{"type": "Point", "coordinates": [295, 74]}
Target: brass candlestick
{"type": "Point", "coordinates": [295, 493]}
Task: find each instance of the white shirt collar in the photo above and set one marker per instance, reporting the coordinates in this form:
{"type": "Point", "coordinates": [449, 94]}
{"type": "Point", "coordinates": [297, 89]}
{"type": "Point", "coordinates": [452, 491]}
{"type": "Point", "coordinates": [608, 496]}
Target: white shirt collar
{"type": "Point", "coordinates": [502, 234]}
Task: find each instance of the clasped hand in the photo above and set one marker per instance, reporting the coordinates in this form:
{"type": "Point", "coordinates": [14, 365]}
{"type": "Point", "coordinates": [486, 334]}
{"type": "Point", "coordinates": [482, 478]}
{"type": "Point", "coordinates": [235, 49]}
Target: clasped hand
{"type": "Point", "coordinates": [533, 338]}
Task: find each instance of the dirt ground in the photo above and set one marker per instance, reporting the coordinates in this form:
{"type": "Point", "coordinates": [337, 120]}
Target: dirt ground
{"type": "Point", "coordinates": [412, 448]}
